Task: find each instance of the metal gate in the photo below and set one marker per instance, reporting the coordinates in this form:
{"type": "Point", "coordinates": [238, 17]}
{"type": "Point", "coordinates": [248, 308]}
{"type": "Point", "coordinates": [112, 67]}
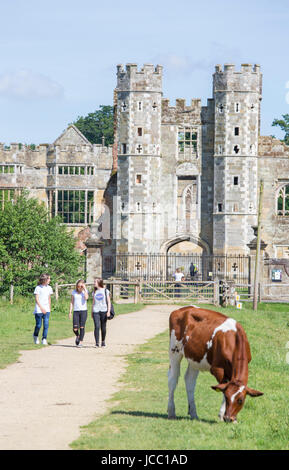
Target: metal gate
{"type": "Point", "coordinates": [160, 266]}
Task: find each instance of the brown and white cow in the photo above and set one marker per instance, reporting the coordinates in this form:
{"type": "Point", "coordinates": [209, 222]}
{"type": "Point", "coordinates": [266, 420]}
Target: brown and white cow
{"type": "Point", "coordinates": [209, 341]}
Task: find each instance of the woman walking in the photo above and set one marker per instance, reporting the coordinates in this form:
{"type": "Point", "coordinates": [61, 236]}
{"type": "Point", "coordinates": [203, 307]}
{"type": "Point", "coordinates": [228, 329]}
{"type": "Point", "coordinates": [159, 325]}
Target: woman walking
{"type": "Point", "coordinates": [42, 307]}
{"type": "Point", "coordinates": [78, 305]}
{"type": "Point", "coordinates": [100, 310]}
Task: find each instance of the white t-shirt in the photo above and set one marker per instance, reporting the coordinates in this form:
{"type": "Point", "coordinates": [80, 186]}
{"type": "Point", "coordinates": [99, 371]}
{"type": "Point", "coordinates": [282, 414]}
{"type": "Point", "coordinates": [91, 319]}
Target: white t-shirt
{"type": "Point", "coordinates": [43, 292]}
{"type": "Point", "coordinates": [80, 303]}
{"type": "Point", "coordinates": [100, 304]}
{"type": "Point", "coordinates": [178, 276]}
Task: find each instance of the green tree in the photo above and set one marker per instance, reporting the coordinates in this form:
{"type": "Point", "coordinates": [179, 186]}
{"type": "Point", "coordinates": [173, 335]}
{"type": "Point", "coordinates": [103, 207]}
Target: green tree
{"type": "Point", "coordinates": [96, 125]}
{"type": "Point", "coordinates": [31, 244]}
{"type": "Point", "coordinates": [284, 125]}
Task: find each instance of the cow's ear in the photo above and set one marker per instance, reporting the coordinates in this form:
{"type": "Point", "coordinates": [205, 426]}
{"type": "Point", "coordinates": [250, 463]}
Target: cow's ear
{"type": "Point", "coordinates": [220, 387]}
{"type": "Point", "coordinates": [253, 393]}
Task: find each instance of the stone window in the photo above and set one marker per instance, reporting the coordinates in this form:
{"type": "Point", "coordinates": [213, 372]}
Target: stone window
{"type": "Point", "coordinates": [190, 201]}
{"type": "Point", "coordinates": [139, 106]}
{"type": "Point", "coordinates": [73, 206]}
{"type": "Point", "coordinates": [138, 206]}
{"type": "Point", "coordinates": [6, 195]}
{"type": "Point", "coordinates": [283, 201]}
{"type": "Point", "coordinates": [139, 148]}
{"type": "Point", "coordinates": [138, 179]}
{"type": "Point", "coordinates": [236, 207]}
{"type": "Point", "coordinates": [123, 107]}
{"type": "Point", "coordinates": [237, 131]}
{"type": "Point", "coordinates": [221, 108]}
{"type": "Point", "coordinates": [75, 170]}
{"type": "Point", "coordinates": [123, 148]}
{"type": "Point", "coordinates": [8, 169]}
{"type": "Point", "coordinates": [154, 106]}
{"type": "Point", "coordinates": [237, 107]}
{"type": "Point", "coordinates": [187, 141]}
{"type": "Point", "coordinates": [139, 131]}
{"type": "Point", "coordinates": [236, 149]}
{"type": "Point", "coordinates": [236, 180]}
{"type": "Point", "coordinates": [220, 207]}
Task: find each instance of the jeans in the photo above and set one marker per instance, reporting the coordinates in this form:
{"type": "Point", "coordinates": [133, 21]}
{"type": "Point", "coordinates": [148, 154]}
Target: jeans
{"type": "Point", "coordinates": [100, 319]}
{"type": "Point", "coordinates": [38, 319]}
{"type": "Point", "coordinates": [79, 319]}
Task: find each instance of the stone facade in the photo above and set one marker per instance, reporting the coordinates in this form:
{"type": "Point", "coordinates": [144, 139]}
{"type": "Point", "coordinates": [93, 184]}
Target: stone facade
{"type": "Point", "coordinates": [180, 177]}
{"type": "Point", "coordinates": [69, 176]}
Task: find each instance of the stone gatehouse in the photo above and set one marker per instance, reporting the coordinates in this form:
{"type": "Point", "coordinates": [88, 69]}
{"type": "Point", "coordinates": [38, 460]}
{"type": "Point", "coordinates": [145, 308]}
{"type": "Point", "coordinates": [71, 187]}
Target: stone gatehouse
{"type": "Point", "coordinates": [180, 178]}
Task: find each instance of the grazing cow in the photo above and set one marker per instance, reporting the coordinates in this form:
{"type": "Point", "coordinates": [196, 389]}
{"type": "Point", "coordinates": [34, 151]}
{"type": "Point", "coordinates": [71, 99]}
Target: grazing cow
{"type": "Point", "coordinates": [209, 341]}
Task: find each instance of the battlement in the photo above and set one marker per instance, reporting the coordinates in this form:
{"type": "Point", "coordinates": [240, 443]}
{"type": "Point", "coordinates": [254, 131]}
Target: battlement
{"type": "Point", "coordinates": [181, 113]}
{"type": "Point", "coordinates": [245, 68]}
{"type": "Point", "coordinates": [19, 147]}
{"type": "Point", "coordinates": [147, 78]}
{"type": "Point", "coordinates": [133, 69]}
{"type": "Point", "coordinates": [181, 104]}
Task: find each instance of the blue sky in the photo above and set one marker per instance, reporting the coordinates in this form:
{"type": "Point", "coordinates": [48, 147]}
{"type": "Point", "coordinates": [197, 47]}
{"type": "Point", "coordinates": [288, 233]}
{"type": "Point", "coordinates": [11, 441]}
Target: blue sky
{"type": "Point", "coordinates": [59, 57]}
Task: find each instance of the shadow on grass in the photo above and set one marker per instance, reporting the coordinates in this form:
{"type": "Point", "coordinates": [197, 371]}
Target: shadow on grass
{"type": "Point", "coordinates": [145, 414]}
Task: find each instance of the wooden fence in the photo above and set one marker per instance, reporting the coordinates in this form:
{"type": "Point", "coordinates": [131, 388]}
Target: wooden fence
{"type": "Point", "coordinates": [154, 291]}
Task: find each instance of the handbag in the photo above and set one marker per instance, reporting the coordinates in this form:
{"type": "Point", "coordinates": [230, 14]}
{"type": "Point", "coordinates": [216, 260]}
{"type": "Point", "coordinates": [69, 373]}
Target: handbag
{"type": "Point", "coordinates": [112, 312]}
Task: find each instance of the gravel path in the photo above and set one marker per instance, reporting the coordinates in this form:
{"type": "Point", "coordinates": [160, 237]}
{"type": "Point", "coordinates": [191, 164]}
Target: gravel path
{"type": "Point", "coordinates": [50, 392]}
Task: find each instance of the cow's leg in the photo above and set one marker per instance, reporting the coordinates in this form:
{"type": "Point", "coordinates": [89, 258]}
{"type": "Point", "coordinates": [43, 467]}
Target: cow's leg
{"type": "Point", "coordinates": [173, 377]}
{"type": "Point", "coordinates": [191, 379]}
{"type": "Point", "coordinates": [222, 409]}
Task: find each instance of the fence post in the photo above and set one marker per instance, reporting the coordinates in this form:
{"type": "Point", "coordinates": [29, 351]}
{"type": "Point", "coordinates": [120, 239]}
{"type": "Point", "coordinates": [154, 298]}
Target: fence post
{"type": "Point", "coordinates": [11, 293]}
{"type": "Point", "coordinates": [216, 292]}
{"type": "Point", "coordinates": [136, 293]}
{"type": "Point", "coordinates": [56, 291]}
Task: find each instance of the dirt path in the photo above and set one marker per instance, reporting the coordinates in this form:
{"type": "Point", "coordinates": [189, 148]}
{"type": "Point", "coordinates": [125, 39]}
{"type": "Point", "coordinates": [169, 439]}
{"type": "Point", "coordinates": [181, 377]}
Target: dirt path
{"type": "Point", "coordinates": [52, 391]}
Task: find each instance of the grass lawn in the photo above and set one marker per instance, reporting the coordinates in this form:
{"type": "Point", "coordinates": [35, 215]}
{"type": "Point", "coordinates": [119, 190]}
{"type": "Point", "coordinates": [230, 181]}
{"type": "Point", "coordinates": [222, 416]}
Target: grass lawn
{"type": "Point", "coordinates": [17, 325]}
{"type": "Point", "coordinates": [138, 419]}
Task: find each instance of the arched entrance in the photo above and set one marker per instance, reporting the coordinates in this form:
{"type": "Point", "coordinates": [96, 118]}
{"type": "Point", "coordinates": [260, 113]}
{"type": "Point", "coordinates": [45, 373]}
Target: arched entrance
{"type": "Point", "coordinates": [182, 252]}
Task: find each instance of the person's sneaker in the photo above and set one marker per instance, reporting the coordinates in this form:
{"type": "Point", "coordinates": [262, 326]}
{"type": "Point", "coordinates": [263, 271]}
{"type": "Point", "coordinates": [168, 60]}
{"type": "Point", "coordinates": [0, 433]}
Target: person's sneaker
{"type": "Point", "coordinates": [97, 345]}
{"type": "Point", "coordinates": [36, 339]}
{"type": "Point", "coordinates": [80, 345]}
{"type": "Point", "coordinates": [102, 344]}
{"type": "Point", "coordinates": [44, 341]}
{"type": "Point", "coordinates": [77, 340]}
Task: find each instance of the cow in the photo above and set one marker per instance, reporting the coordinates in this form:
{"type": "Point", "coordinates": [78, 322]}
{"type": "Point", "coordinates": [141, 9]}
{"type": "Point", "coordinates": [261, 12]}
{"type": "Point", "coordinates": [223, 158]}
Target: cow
{"type": "Point", "coordinates": [210, 341]}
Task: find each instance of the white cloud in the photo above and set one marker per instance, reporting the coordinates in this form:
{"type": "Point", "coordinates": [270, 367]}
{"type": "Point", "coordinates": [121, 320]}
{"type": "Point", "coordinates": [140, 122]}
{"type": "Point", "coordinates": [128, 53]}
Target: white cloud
{"type": "Point", "coordinates": [26, 84]}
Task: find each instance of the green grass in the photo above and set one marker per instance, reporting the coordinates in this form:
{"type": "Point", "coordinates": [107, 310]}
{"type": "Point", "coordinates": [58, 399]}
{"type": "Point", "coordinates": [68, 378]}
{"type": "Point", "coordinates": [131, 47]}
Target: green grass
{"type": "Point", "coordinates": [17, 325]}
{"type": "Point", "coordinates": [138, 419]}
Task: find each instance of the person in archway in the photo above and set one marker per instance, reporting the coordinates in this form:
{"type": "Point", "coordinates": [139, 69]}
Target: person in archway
{"type": "Point", "coordinates": [193, 270]}
{"type": "Point", "coordinates": [178, 276]}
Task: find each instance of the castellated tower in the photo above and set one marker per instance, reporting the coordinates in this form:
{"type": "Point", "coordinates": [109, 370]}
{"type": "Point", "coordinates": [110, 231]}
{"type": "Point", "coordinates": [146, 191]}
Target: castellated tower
{"type": "Point", "coordinates": [237, 96]}
{"type": "Point", "coordinates": [138, 100]}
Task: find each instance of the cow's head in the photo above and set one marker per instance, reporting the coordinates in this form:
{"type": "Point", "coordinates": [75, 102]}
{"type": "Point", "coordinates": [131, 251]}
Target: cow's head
{"type": "Point", "coordinates": [235, 395]}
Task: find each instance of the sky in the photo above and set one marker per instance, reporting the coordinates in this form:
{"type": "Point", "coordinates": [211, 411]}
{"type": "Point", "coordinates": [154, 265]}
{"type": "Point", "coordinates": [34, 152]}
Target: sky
{"type": "Point", "coordinates": [58, 58]}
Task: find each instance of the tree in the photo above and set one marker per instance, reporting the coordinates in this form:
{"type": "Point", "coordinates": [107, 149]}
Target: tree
{"type": "Point", "coordinates": [31, 244]}
{"type": "Point", "coordinates": [284, 125]}
{"type": "Point", "coordinates": [96, 125]}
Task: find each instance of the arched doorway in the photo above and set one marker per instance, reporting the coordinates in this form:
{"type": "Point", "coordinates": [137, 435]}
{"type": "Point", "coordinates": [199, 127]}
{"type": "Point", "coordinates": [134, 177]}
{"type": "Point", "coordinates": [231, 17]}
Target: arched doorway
{"type": "Point", "coordinates": [184, 251]}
